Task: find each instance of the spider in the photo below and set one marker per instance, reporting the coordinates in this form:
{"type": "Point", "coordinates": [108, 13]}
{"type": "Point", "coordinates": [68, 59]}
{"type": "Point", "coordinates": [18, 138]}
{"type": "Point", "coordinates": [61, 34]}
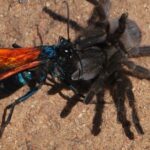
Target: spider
{"type": "Point", "coordinates": [105, 48]}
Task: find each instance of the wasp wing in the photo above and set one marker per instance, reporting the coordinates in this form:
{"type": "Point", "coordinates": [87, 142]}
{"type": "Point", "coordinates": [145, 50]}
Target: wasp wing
{"type": "Point", "coordinates": [13, 61]}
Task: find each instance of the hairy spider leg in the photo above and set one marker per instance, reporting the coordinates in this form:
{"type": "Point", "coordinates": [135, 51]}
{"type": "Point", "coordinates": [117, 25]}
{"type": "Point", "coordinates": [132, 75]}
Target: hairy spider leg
{"type": "Point", "coordinates": [114, 37]}
{"type": "Point", "coordinates": [96, 88]}
{"type": "Point", "coordinates": [71, 102]}
{"type": "Point", "coordinates": [119, 100]}
{"type": "Point", "coordinates": [139, 51]}
{"type": "Point", "coordinates": [131, 99]}
{"type": "Point", "coordinates": [137, 70]}
{"type": "Point", "coordinates": [100, 12]}
{"type": "Point", "coordinates": [99, 107]}
{"type": "Point", "coordinates": [73, 24]}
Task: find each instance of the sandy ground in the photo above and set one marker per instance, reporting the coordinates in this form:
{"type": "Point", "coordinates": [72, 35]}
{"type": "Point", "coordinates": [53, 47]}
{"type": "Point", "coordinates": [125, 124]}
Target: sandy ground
{"type": "Point", "coordinates": [36, 124]}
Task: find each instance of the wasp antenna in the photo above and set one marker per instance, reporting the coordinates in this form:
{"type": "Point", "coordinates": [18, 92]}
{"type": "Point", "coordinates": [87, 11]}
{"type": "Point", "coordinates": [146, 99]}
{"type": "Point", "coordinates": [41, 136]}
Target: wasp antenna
{"type": "Point", "coordinates": [68, 19]}
{"type": "Point", "coordinates": [39, 35]}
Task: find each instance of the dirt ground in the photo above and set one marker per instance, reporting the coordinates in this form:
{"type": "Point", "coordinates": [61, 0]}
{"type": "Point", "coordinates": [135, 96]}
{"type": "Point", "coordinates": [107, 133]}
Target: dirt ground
{"type": "Point", "coordinates": [36, 124]}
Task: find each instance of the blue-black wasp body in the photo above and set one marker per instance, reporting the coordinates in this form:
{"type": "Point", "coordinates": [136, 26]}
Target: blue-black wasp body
{"type": "Point", "coordinates": [48, 59]}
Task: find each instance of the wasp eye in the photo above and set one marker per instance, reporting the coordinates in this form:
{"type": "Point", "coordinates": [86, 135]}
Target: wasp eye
{"type": "Point", "coordinates": [66, 51]}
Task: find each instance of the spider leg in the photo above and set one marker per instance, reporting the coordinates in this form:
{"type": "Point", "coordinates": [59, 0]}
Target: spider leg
{"type": "Point", "coordinates": [97, 120]}
{"type": "Point", "coordinates": [131, 100]}
{"type": "Point", "coordinates": [137, 70]}
{"type": "Point", "coordinates": [57, 87]}
{"type": "Point", "coordinates": [7, 117]}
{"type": "Point", "coordinates": [73, 24]}
{"type": "Point", "coordinates": [100, 12]}
{"type": "Point", "coordinates": [96, 87]}
{"type": "Point", "coordinates": [119, 100]}
{"type": "Point", "coordinates": [71, 102]}
{"type": "Point", "coordinates": [114, 37]}
{"type": "Point", "coordinates": [139, 51]}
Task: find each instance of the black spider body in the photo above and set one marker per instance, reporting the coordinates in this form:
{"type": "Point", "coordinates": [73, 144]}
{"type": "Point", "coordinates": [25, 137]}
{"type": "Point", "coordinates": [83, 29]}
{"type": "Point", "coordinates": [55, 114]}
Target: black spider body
{"type": "Point", "coordinates": [105, 48]}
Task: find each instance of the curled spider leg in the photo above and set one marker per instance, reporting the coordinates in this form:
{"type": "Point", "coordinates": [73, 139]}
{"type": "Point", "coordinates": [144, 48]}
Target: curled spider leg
{"type": "Point", "coordinates": [73, 24]}
{"type": "Point", "coordinates": [137, 70]}
{"type": "Point", "coordinates": [131, 100]}
{"type": "Point", "coordinates": [119, 100]}
{"type": "Point", "coordinates": [7, 117]}
{"type": "Point", "coordinates": [139, 51]}
{"type": "Point", "coordinates": [97, 120]}
{"type": "Point", "coordinates": [71, 102]}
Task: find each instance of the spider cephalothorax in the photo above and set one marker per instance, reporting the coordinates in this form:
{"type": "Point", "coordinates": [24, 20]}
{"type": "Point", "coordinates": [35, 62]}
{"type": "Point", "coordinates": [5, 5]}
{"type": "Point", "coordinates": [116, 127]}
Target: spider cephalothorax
{"type": "Point", "coordinates": [105, 48]}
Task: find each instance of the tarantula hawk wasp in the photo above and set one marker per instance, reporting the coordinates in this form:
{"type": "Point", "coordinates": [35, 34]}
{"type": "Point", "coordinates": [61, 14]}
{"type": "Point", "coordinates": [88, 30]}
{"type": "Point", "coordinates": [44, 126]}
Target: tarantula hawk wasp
{"type": "Point", "coordinates": [104, 48]}
{"type": "Point", "coordinates": [30, 66]}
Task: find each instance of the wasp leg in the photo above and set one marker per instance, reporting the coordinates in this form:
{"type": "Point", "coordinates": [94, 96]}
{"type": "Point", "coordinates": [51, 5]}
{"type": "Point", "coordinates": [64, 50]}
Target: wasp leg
{"type": "Point", "coordinates": [94, 2]}
{"type": "Point", "coordinates": [139, 51]}
{"type": "Point", "coordinates": [14, 45]}
{"type": "Point", "coordinates": [137, 70]}
{"type": "Point", "coordinates": [39, 35]}
{"type": "Point", "coordinates": [131, 100]}
{"type": "Point", "coordinates": [7, 117]}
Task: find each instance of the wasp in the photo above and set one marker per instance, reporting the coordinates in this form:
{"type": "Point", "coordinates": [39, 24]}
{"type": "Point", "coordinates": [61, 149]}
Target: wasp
{"type": "Point", "coordinates": [31, 66]}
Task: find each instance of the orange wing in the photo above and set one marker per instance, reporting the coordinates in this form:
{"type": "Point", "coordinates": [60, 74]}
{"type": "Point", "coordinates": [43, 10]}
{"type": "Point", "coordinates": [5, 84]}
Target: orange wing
{"type": "Point", "coordinates": [13, 61]}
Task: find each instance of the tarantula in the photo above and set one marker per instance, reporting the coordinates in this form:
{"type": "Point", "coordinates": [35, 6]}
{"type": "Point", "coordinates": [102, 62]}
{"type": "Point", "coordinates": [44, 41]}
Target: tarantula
{"type": "Point", "coordinates": [104, 48]}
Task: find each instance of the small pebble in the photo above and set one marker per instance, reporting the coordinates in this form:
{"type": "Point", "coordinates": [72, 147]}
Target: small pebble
{"type": "Point", "coordinates": [22, 1]}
